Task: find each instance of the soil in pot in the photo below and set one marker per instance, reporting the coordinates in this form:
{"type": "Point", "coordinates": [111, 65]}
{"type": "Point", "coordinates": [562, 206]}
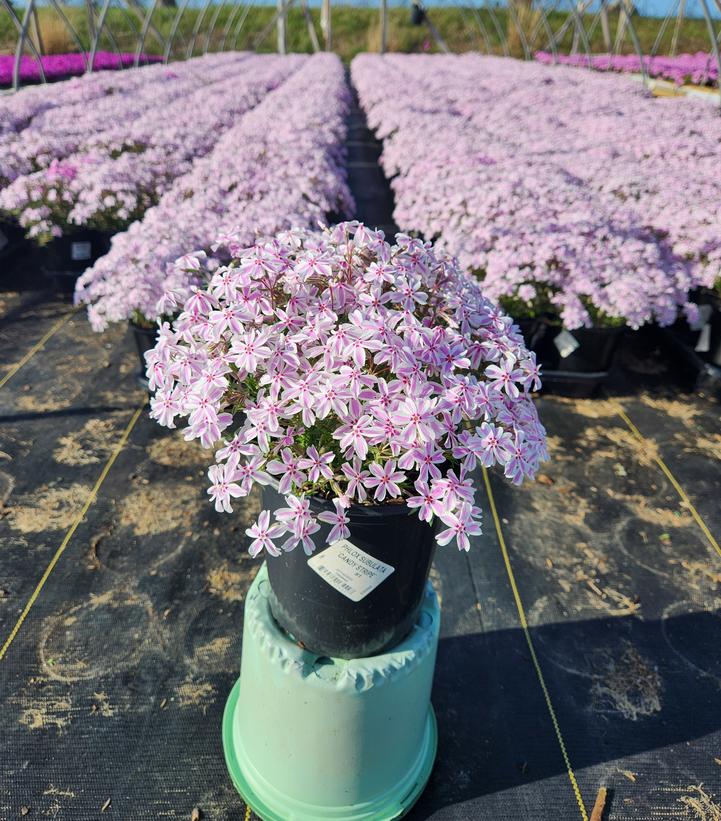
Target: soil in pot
{"type": "Point", "coordinates": [316, 599]}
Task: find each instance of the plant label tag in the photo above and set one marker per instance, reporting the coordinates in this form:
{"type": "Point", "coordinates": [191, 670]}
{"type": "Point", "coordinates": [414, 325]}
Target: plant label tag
{"type": "Point", "coordinates": [704, 315]}
{"type": "Point", "coordinates": [566, 343]}
{"type": "Point", "coordinates": [79, 251]}
{"type": "Point", "coordinates": [3, 240]}
{"type": "Point", "coordinates": [350, 570]}
{"type": "Point", "coordinates": [704, 340]}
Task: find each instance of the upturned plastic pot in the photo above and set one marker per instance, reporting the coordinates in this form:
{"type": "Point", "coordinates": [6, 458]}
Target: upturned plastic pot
{"type": "Point", "coordinates": [581, 371]}
{"type": "Point", "coordinates": [65, 258]}
{"type": "Point", "coordinates": [330, 623]}
{"type": "Point", "coordinates": [310, 738]}
{"type": "Point", "coordinates": [144, 341]}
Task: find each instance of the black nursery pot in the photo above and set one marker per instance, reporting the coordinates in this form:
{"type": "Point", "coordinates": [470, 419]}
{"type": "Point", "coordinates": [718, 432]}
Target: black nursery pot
{"type": "Point", "coordinates": [12, 238]}
{"type": "Point", "coordinates": [704, 341]}
{"type": "Point", "coordinates": [584, 370]}
{"type": "Point", "coordinates": [65, 258]}
{"type": "Point", "coordinates": [329, 623]}
{"type": "Point", "coordinates": [144, 341]}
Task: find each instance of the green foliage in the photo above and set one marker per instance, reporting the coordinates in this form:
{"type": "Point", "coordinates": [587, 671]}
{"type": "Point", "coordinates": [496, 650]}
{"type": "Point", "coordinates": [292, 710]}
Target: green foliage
{"type": "Point", "coordinates": [542, 308]}
{"type": "Point", "coordinates": [356, 29]}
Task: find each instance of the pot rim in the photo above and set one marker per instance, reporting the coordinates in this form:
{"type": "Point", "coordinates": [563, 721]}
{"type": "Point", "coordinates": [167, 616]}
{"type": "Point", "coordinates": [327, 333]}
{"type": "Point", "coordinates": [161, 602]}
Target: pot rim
{"type": "Point", "coordinates": [143, 329]}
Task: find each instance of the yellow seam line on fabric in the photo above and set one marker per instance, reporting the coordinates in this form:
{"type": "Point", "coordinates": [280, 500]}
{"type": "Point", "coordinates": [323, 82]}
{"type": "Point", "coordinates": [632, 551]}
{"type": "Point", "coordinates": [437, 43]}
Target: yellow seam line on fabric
{"type": "Point", "coordinates": [68, 536]}
{"type": "Point", "coordinates": [531, 648]}
{"type": "Point", "coordinates": [36, 347]}
{"type": "Point", "coordinates": [677, 487]}
{"type": "Point", "coordinates": [247, 812]}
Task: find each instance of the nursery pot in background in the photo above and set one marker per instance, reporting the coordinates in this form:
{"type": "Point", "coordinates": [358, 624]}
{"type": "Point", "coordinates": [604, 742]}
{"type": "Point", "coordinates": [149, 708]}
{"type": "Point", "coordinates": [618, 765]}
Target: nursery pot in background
{"type": "Point", "coordinates": [65, 258]}
{"type": "Point", "coordinates": [12, 238]}
{"type": "Point", "coordinates": [703, 336]}
{"type": "Point", "coordinates": [144, 341]}
{"type": "Point", "coordinates": [575, 361]}
{"type": "Point", "coordinates": [357, 597]}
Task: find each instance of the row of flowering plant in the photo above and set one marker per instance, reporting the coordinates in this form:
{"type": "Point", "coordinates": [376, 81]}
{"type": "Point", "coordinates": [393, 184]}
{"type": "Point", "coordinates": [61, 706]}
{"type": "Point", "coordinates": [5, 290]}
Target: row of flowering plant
{"type": "Point", "coordinates": [60, 66]}
{"type": "Point", "coordinates": [117, 176]}
{"type": "Point", "coordinates": [568, 192]}
{"type": "Point", "coordinates": [280, 166]}
{"type": "Point", "coordinates": [350, 369]}
{"type": "Point", "coordinates": [90, 116]}
{"type": "Point", "coordinates": [700, 68]}
{"type": "Point", "coordinates": [18, 110]}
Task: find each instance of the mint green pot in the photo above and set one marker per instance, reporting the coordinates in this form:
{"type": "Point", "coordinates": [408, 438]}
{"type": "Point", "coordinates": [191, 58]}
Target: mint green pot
{"type": "Point", "coordinates": [309, 738]}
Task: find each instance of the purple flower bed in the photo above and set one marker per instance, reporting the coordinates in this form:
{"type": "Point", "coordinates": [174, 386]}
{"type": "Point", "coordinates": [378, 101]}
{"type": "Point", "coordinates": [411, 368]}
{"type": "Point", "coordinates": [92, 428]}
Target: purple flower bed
{"type": "Point", "coordinates": [59, 66]}
{"type": "Point", "coordinates": [699, 69]}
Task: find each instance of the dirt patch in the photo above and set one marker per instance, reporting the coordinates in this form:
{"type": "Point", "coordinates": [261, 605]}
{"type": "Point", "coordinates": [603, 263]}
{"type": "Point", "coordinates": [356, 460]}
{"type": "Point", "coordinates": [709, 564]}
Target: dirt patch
{"type": "Point", "coordinates": [47, 712]}
{"type": "Point", "coordinates": [606, 443]}
{"type": "Point", "coordinates": [219, 655]}
{"type": "Point", "coordinates": [192, 693]}
{"type": "Point", "coordinates": [684, 411]}
{"type": "Point", "coordinates": [699, 573]}
{"type": "Point", "coordinates": [212, 652]}
{"type": "Point", "coordinates": [173, 452]}
{"type": "Point", "coordinates": [49, 508]}
{"type": "Point", "coordinates": [558, 499]}
{"type": "Point", "coordinates": [68, 643]}
{"type": "Point", "coordinates": [557, 449]}
{"type": "Point", "coordinates": [641, 508]}
{"type": "Point", "coordinates": [699, 805]}
{"type": "Point", "coordinates": [102, 706]}
{"type": "Point", "coordinates": [53, 790]}
{"type": "Point", "coordinates": [706, 445]}
{"type": "Point", "coordinates": [158, 508]}
{"type": "Point", "coordinates": [247, 509]}
{"type": "Point", "coordinates": [32, 403]}
{"type": "Point", "coordinates": [231, 585]}
{"type": "Point", "coordinates": [128, 366]}
{"type": "Point", "coordinates": [91, 444]}
{"type": "Point", "coordinates": [589, 408]}
{"type": "Point", "coordinates": [629, 685]}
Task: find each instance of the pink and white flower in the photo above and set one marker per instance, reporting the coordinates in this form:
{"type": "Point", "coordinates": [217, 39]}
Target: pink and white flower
{"type": "Point", "coordinates": [398, 401]}
{"type": "Point", "coordinates": [339, 520]}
